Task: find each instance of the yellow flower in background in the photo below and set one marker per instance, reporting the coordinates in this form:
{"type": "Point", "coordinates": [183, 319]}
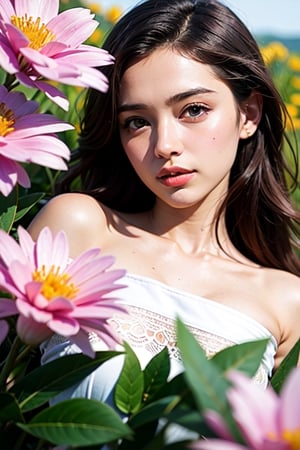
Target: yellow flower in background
{"type": "Point", "coordinates": [293, 122]}
{"type": "Point", "coordinates": [96, 37]}
{"type": "Point", "coordinates": [295, 99]}
{"type": "Point", "coordinates": [296, 124]}
{"type": "Point", "coordinates": [275, 51]}
{"type": "Point", "coordinates": [294, 63]}
{"type": "Point", "coordinates": [295, 82]}
{"type": "Point", "coordinates": [113, 14]}
{"type": "Point", "coordinates": [96, 8]}
{"type": "Point", "coordinates": [292, 109]}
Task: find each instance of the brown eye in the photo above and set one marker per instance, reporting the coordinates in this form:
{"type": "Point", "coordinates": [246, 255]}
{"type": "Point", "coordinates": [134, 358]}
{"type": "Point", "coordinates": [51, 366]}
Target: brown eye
{"type": "Point", "coordinates": [194, 111]}
{"type": "Point", "coordinates": [135, 123]}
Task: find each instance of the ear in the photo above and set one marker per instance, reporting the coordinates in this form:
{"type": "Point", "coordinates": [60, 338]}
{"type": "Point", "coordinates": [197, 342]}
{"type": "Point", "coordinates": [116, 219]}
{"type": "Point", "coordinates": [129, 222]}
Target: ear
{"type": "Point", "coordinates": [251, 111]}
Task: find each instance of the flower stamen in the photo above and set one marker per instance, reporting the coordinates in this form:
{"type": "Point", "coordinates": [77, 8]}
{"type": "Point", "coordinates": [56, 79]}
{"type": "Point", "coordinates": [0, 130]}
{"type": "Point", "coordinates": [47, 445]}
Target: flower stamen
{"type": "Point", "coordinates": [36, 31]}
{"type": "Point", "coordinates": [292, 437]}
{"type": "Point", "coordinates": [55, 284]}
{"type": "Point", "coordinates": [7, 120]}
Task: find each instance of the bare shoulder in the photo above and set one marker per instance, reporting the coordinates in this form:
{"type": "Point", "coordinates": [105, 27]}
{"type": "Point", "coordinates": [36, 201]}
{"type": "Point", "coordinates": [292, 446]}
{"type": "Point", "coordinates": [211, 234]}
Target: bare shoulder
{"type": "Point", "coordinates": [80, 216]}
{"type": "Point", "coordinates": [284, 293]}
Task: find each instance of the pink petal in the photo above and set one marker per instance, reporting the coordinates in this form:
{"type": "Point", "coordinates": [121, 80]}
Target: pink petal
{"type": "Point", "coordinates": [34, 149]}
{"type": "Point", "coordinates": [54, 94]}
{"type": "Point", "coordinates": [34, 296]}
{"type": "Point", "coordinates": [6, 10]}
{"type": "Point", "coordinates": [20, 273]}
{"type": "Point", "coordinates": [289, 402]}
{"type": "Point", "coordinates": [97, 312]}
{"type": "Point", "coordinates": [216, 444]}
{"type": "Point", "coordinates": [18, 103]}
{"type": "Point", "coordinates": [61, 305]}
{"type": "Point", "coordinates": [8, 59]}
{"type": "Point", "coordinates": [216, 422]}
{"type": "Point", "coordinates": [4, 329]}
{"type": "Point", "coordinates": [11, 173]}
{"type": "Point", "coordinates": [81, 339]}
{"type": "Point", "coordinates": [30, 311]}
{"type": "Point", "coordinates": [16, 38]}
{"type": "Point", "coordinates": [37, 124]}
{"type": "Point", "coordinates": [73, 26]}
{"type": "Point", "coordinates": [64, 325]}
{"type": "Point", "coordinates": [52, 250]}
{"type": "Point", "coordinates": [31, 332]}
{"type": "Point", "coordinates": [7, 307]}
{"type": "Point", "coordinates": [10, 249]}
{"type": "Point", "coordinates": [246, 399]}
{"type": "Point", "coordinates": [26, 243]}
{"type": "Point", "coordinates": [39, 8]}
{"type": "Point", "coordinates": [85, 55]}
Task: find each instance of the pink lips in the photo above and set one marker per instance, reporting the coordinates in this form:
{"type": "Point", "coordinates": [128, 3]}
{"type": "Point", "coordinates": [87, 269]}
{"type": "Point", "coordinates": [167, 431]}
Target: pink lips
{"type": "Point", "coordinates": [175, 176]}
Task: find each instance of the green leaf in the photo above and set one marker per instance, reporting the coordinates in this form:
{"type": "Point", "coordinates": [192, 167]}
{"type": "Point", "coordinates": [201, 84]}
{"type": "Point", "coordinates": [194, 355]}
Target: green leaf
{"type": "Point", "coordinates": [77, 422]}
{"type": "Point", "coordinates": [26, 203]}
{"type": "Point", "coordinates": [8, 208]}
{"type": "Point", "coordinates": [9, 410]}
{"type": "Point", "coordinates": [245, 357]}
{"type": "Point", "coordinates": [130, 385]}
{"type": "Point", "coordinates": [192, 420]}
{"type": "Point", "coordinates": [46, 381]}
{"type": "Point", "coordinates": [203, 376]}
{"type": "Point", "coordinates": [289, 363]}
{"type": "Point", "coordinates": [154, 411]}
{"type": "Point", "coordinates": [156, 374]}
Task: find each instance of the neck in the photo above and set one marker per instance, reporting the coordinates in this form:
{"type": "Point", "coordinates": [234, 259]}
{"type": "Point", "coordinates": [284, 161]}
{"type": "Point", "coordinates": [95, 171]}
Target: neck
{"type": "Point", "coordinates": [193, 230]}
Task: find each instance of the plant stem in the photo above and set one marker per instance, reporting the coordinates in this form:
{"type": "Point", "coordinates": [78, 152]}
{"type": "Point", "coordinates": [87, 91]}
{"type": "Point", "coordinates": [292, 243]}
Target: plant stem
{"type": "Point", "coordinates": [9, 363]}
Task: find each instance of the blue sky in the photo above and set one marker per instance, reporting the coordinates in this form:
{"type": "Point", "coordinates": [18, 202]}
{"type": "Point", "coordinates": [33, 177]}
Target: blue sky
{"type": "Point", "coordinates": [261, 16]}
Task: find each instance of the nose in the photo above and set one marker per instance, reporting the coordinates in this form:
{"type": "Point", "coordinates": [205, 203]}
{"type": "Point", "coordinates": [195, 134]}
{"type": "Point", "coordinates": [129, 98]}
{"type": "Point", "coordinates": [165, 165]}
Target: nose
{"type": "Point", "coordinates": [166, 139]}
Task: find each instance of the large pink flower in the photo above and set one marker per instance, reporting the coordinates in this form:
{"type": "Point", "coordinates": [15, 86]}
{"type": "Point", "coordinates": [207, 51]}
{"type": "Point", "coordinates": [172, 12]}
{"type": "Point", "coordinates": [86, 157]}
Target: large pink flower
{"type": "Point", "coordinates": [37, 44]}
{"type": "Point", "coordinates": [54, 295]}
{"type": "Point", "coordinates": [26, 136]}
{"type": "Point", "coordinates": [267, 421]}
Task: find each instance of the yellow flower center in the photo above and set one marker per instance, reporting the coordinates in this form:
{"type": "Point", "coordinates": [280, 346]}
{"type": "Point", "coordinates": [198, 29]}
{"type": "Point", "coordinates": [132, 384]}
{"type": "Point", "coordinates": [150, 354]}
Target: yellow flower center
{"type": "Point", "coordinates": [293, 438]}
{"type": "Point", "coordinates": [7, 120]}
{"type": "Point", "coordinates": [54, 283]}
{"type": "Point", "coordinates": [36, 31]}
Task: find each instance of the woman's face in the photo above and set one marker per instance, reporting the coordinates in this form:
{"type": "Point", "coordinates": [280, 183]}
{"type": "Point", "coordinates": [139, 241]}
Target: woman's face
{"type": "Point", "coordinates": [180, 127]}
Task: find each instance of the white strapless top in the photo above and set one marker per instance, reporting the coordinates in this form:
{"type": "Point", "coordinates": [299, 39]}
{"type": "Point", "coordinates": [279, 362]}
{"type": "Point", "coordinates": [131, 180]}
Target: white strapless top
{"type": "Point", "coordinates": [149, 327]}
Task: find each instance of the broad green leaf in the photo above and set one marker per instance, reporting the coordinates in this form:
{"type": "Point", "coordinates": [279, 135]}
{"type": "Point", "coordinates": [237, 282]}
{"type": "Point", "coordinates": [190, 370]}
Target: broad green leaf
{"type": "Point", "coordinates": [156, 374]}
{"type": "Point", "coordinates": [77, 422]}
{"type": "Point", "coordinates": [154, 411]}
{"type": "Point", "coordinates": [245, 357]}
{"type": "Point", "coordinates": [26, 203]}
{"type": "Point", "coordinates": [9, 410]}
{"type": "Point", "coordinates": [203, 376]}
{"type": "Point", "coordinates": [289, 363]}
{"type": "Point", "coordinates": [130, 385]}
{"type": "Point", "coordinates": [8, 208]}
{"type": "Point", "coordinates": [192, 420]}
{"type": "Point", "coordinates": [46, 381]}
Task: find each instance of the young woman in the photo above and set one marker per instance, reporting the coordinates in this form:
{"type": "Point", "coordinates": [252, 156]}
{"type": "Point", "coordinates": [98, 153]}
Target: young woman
{"type": "Point", "coordinates": [184, 181]}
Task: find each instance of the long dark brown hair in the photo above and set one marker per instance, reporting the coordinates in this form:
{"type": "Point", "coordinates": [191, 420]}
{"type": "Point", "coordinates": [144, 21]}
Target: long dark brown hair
{"type": "Point", "coordinates": [260, 218]}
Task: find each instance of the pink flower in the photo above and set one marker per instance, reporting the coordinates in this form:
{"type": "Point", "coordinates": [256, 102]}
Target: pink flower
{"type": "Point", "coordinates": [37, 44]}
{"type": "Point", "coordinates": [266, 421]}
{"type": "Point", "coordinates": [54, 295]}
{"type": "Point", "coordinates": [26, 136]}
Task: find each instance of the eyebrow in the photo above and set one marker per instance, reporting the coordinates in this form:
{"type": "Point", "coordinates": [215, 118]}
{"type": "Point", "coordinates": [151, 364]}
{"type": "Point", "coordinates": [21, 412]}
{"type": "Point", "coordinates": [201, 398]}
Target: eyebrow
{"type": "Point", "coordinates": [174, 99]}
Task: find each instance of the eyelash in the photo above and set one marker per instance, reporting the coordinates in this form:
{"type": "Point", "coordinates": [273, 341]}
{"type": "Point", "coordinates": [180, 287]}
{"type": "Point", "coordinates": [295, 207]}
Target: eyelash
{"type": "Point", "coordinates": [202, 109]}
{"type": "Point", "coordinates": [129, 120]}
